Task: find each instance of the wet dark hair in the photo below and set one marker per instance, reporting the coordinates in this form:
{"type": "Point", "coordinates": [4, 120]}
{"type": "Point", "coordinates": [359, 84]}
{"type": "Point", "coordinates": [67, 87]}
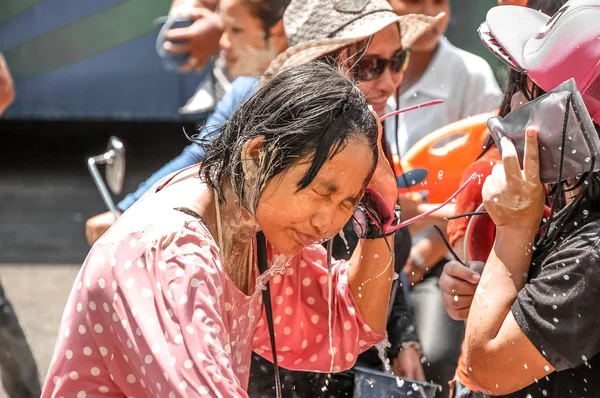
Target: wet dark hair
{"type": "Point", "coordinates": [270, 12]}
{"type": "Point", "coordinates": [352, 53]}
{"type": "Point", "coordinates": [307, 113]}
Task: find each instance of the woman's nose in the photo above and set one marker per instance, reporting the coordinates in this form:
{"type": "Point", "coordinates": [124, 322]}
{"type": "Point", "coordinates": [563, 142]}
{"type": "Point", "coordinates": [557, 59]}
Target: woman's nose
{"type": "Point", "coordinates": [389, 81]}
{"type": "Point", "coordinates": [323, 220]}
{"type": "Point", "coordinates": [224, 42]}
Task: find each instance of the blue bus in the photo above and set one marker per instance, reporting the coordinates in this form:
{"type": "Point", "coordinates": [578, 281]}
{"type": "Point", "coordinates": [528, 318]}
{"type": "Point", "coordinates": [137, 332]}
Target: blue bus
{"type": "Point", "coordinates": [89, 60]}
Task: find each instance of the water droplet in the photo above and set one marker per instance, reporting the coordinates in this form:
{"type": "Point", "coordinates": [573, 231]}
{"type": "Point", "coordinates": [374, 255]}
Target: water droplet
{"type": "Point", "coordinates": [566, 277]}
{"type": "Point", "coordinates": [376, 255]}
{"type": "Point", "coordinates": [554, 306]}
{"type": "Point", "coordinates": [495, 200]}
{"type": "Point", "coordinates": [456, 298]}
{"type": "Point", "coordinates": [555, 320]}
{"type": "Point", "coordinates": [440, 174]}
{"type": "Point", "coordinates": [547, 368]}
{"type": "Point", "coordinates": [584, 358]}
{"type": "Point", "coordinates": [587, 160]}
{"type": "Point", "coordinates": [574, 151]}
{"type": "Point", "coordinates": [525, 365]}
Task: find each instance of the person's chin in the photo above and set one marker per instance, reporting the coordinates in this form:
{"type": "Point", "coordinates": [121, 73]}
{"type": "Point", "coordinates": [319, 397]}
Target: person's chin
{"type": "Point", "coordinates": [288, 248]}
{"type": "Point", "coordinates": [230, 61]}
{"type": "Point", "coordinates": [379, 105]}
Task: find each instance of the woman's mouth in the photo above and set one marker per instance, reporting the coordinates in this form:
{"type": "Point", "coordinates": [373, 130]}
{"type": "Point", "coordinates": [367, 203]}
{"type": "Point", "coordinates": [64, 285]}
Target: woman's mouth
{"type": "Point", "coordinates": [304, 239]}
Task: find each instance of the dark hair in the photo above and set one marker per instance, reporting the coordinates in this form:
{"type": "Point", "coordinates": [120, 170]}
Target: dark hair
{"type": "Point", "coordinates": [352, 54]}
{"type": "Point", "coordinates": [548, 7]}
{"type": "Point", "coordinates": [306, 113]}
{"type": "Point", "coordinates": [270, 12]}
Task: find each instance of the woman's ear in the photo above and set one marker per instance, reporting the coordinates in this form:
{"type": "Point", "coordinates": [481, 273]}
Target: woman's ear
{"type": "Point", "coordinates": [250, 157]}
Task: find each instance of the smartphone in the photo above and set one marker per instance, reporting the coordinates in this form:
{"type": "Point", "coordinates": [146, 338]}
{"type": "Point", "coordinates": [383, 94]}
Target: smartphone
{"type": "Point", "coordinates": [169, 60]}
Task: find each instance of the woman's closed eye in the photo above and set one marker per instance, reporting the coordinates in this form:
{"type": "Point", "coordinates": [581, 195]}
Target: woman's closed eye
{"type": "Point", "coordinates": [349, 203]}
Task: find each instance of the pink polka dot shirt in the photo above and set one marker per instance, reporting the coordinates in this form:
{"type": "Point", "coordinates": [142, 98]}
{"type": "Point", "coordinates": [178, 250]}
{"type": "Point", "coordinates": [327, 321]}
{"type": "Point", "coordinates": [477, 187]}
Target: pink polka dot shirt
{"type": "Point", "coordinates": [156, 315]}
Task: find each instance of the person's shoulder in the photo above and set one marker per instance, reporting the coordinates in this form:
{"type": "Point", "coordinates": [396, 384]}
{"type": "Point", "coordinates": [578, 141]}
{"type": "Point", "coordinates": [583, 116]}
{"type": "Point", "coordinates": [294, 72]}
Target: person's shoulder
{"type": "Point", "coordinates": [462, 60]}
{"type": "Point", "coordinates": [584, 234]}
{"type": "Point", "coordinates": [245, 83]}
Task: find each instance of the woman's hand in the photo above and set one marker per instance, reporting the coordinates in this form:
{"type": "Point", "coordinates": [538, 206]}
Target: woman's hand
{"type": "Point", "coordinates": [515, 198]}
{"type": "Point", "coordinates": [384, 180]}
{"type": "Point", "coordinates": [458, 285]}
{"type": "Point", "coordinates": [201, 38]}
{"type": "Point", "coordinates": [408, 364]}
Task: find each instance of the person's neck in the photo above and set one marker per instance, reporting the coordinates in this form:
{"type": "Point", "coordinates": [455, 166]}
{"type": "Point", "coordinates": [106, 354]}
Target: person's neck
{"type": "Point", "coordinates": [237, 227]}
{"type": "Point", "coordinates": [419, 62]}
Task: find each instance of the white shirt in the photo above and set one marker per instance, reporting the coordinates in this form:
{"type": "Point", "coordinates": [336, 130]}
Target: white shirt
{"type": "Point", "coordinates": [463, 80]}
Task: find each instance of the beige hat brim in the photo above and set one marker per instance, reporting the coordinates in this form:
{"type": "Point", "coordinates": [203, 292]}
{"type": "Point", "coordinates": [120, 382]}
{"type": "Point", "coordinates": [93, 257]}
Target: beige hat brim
{"type": "Point", "coordinates": [412, 26]}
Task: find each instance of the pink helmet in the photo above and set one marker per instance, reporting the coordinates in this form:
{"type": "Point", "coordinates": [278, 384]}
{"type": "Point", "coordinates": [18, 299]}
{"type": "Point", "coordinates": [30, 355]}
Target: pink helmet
{"type": "Point", "coordinates": [550, 50]}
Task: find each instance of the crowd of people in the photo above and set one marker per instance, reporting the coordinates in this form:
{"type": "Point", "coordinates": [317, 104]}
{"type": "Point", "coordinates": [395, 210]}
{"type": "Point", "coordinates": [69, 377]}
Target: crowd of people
{"type": "Point", "coordinates": [263, 260]}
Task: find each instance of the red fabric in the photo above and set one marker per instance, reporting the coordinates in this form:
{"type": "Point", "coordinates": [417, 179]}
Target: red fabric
{"type": "Point", "coordinates": [470, 199]}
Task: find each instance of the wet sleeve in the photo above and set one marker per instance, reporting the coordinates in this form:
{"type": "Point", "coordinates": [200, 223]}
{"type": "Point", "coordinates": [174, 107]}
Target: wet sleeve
{"type": "Point", "coordinates": [191, 343]}
{"type": "Point", "coordinates": [558, 309]}
{"type": "Point", "coordinates": [300, 316]}
{"type": "Point", "coordinates": [242, 88]}
{"type": "Point", "coordinates": [181, 335]}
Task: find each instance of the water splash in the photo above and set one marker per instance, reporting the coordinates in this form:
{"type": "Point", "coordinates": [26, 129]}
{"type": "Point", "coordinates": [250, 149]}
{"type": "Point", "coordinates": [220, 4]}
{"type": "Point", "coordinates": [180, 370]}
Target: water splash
{"type": "Point", "coordinates": [382, 348]}
{"type": "Point", "coordinates": [343, 236]}
{"type": "Point", "coordinates": [278, 266]}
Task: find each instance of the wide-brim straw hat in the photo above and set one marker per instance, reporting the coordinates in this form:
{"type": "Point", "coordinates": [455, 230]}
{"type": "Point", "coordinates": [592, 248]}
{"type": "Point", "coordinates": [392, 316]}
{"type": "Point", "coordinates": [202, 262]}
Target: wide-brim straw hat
{"type": "Point", "coordinates": [315, 28]}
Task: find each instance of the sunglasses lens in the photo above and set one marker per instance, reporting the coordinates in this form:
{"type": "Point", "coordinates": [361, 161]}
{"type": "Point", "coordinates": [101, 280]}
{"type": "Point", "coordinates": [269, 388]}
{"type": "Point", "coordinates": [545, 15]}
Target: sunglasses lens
{"type": "Point", "coordinates": [370, 68]}
{"type": "Point", "coordinates": [399, 61]}
{"type": "Point", "coordinates": [359, 222]}
{"type": "Point", "coordinates": [376, 207]}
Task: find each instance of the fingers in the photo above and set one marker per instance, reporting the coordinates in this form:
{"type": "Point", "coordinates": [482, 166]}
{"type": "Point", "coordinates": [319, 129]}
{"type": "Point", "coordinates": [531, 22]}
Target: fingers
{"type": "Point", "coordinates": [456, 270]}
{"type": "Point", "coordinates": [199, 12]}
{"type": "Point", "coordinates": [460, 315]}
{"type": "Point", "coordinates": [190, 65]}
{"type": "Point", "coordinates": [531, 159]}
{"type": "Point", "coordinates": [177, 48]}
{"type": "Point", "coordinates": [510, 161]}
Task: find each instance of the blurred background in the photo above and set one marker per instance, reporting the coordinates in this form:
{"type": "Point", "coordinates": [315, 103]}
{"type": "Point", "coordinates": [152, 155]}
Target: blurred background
{"type": "Point", "coordinates": [86, 70]}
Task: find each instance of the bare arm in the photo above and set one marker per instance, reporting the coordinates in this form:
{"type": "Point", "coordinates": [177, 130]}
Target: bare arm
{"type": "Point", "coordinates": [372, 263]}
{"type": "Point", "coordinates": [370, 278]}
{"type": "Point", "coordinates": [500, 357]}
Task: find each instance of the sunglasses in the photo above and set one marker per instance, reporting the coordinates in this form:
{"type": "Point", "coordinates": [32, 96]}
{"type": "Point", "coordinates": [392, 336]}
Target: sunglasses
{"type": "Point", "coordinates": [370, 67]}
{"type": "Point", "coordinates": [374, 213]}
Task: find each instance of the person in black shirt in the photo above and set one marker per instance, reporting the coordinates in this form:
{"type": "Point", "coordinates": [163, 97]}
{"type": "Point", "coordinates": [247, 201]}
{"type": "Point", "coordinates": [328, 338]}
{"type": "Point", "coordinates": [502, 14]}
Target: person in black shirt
{"type": "Point", "coordinates": [533, 329]}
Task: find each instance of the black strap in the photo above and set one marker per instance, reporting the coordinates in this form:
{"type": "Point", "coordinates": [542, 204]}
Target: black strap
{"type": "Point", "coordinates": [261, 254]}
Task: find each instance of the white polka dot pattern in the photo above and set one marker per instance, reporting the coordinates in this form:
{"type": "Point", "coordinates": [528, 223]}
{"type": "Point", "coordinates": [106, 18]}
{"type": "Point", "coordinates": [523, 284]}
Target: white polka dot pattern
{"type": "Point", "coordinates": [164, 320]}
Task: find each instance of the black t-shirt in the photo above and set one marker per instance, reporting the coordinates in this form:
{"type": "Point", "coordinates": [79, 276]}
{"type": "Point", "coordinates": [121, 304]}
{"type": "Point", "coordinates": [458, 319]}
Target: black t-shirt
{"type": "Point", "coordinates": [558, 307]}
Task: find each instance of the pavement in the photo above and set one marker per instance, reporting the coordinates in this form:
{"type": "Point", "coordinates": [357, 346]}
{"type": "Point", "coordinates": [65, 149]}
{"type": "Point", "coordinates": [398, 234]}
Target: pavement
{"type": "Point", "coordinates": [38, 294]}
{"type": "Point", "coordinates": [46, 194]}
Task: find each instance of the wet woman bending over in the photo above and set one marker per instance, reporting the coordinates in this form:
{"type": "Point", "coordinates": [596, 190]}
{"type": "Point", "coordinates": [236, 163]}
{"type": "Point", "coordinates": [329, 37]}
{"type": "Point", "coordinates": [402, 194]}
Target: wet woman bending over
{"type": "Point", "coordinates": [168, 302]}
